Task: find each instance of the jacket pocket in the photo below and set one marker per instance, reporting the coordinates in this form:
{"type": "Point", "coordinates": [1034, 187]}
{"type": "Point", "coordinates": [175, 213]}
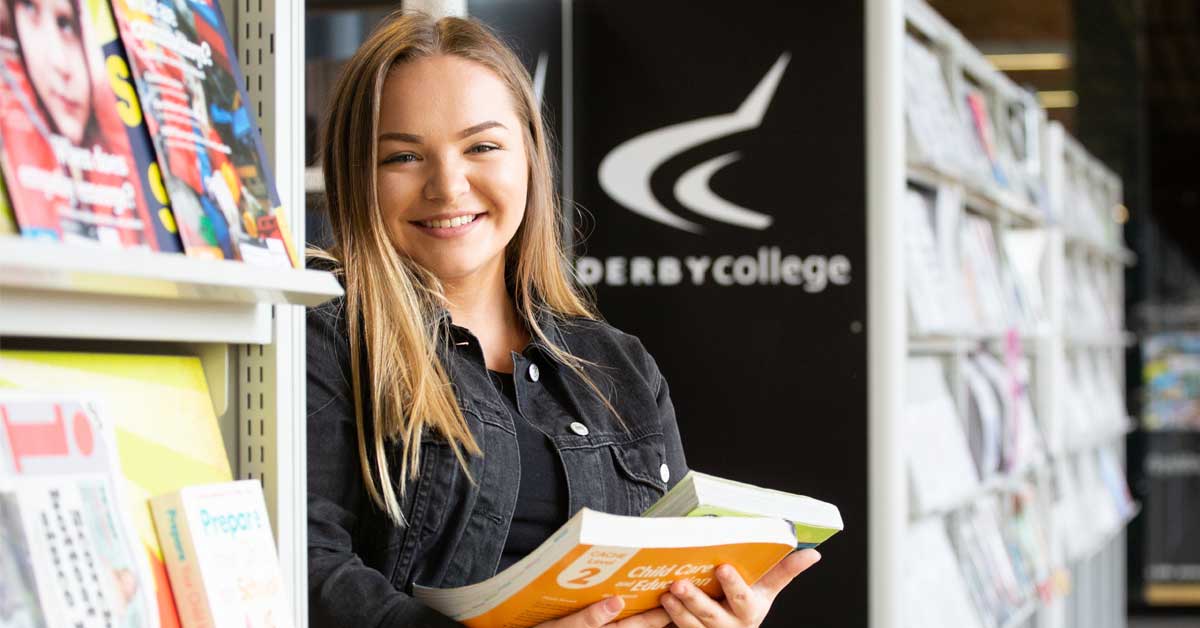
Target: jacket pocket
{"type": "Point", "coordinates": [638, 478]}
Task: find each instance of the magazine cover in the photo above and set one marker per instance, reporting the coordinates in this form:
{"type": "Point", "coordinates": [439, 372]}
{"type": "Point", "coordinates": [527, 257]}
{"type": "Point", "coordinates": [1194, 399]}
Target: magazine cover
{"type": "Point", "coordinates": [214, 166]}
{"type": "Point", "coordinates": [8, 224]}
{"type": "Point", "coordinates": [156, 456]}
{"type": "Point", "coordinates": [58, 458]}
{"type": "Point", "coordinates": [71, 171]}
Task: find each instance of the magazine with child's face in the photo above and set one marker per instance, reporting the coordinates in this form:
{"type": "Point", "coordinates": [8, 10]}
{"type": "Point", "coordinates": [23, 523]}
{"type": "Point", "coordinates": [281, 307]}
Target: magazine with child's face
{"type": "Point", "coordinates": [71, 169]}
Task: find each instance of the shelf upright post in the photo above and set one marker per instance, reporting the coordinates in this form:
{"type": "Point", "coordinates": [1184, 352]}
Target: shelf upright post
{"type": "Point", "coordinates": [269, 36]}
{"type": "Point", "coordinates": [886, 331]}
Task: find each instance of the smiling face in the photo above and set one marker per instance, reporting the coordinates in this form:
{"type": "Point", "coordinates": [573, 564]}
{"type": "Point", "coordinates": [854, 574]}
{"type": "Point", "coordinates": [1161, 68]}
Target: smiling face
{"type": "Point", "coordinates": [453, 171]}
{"type": "Point", "coordinates": [49, 34]}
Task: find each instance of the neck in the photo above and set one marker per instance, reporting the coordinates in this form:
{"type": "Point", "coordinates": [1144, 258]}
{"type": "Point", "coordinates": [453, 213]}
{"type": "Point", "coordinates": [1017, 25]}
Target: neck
{"type": "Point", "coordinates": [481, 303]}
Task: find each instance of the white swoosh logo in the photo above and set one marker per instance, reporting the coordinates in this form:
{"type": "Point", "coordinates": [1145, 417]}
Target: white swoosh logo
{"type": "Point", "coordinates": [693, 191]}
{"type": "Point", "coordinates": [539, 76]}
{"type": "Point", "coordinates": [626, 170]}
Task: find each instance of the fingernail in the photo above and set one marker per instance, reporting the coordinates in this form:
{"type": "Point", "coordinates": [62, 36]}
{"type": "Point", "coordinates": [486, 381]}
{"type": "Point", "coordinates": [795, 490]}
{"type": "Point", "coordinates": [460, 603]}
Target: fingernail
{"type": "Point", "coordinates": [680, 587]}
{"type": "Point", "coordinates": [613, 604]}
{"type": "Point", "coordinates": [818, 555]}
{"type": "Point", "coordinates": [667, 600]}
{"type": "Point", "coordinates": [725, 572]}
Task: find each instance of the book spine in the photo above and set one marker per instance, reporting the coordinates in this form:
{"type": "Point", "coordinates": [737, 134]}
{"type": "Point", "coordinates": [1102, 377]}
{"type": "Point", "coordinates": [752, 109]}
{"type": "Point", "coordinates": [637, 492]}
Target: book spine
{"type": "Point", "coordinates": [179, 553]}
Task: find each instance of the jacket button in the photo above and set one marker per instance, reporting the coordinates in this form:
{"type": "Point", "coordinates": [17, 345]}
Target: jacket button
{"type": "Point", "coordinates": [534, 373]}
{"type": "Point", "coordinates": [664, 472]}
{"type": "Point", "coordinates": [579, 428]}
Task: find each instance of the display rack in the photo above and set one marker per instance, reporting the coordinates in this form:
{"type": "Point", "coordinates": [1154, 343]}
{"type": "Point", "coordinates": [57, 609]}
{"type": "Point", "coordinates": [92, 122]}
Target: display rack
{"type": "Point", "coordinates": [246, 323]}
{"type": "Point", "coordinates": [1056, 325]}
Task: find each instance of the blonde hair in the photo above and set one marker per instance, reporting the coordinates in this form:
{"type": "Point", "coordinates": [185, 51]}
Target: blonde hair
{"type": "Point", "coordinates": [393, 304]}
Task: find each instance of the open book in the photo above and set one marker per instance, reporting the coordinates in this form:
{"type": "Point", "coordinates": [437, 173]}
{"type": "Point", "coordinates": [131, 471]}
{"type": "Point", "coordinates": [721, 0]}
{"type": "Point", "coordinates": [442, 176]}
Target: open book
{"type": "Point", "coordinates": [702, 523]}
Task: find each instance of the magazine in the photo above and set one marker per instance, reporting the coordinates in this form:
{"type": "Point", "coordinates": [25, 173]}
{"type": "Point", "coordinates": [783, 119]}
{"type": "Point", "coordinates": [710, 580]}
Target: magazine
{"type": "Point", "coordinates": [75, 160]}
{"type": "Point", "coordinates": [64, 518]}
{"type": "Point", "coordinates": [213, 164]}
{"type": "Point", "coordinates": [597, 555]}
{"type": "Point", "coordinates": [156, 455]}
{"type": "Point", "coordinates": [8, 224]}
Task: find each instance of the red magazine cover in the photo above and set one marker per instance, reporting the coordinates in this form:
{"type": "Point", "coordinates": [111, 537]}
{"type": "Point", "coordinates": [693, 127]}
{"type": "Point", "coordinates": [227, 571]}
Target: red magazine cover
{"type": "Point", "coordinates": [72, 172]}
{"type": "Point", "coordinates": [196, 107]}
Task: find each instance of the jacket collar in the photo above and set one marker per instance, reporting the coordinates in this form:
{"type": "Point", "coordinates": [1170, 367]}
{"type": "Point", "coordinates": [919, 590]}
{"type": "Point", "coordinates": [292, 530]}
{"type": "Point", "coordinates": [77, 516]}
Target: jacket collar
{"type": "Point", "coordinates": [550, 323]}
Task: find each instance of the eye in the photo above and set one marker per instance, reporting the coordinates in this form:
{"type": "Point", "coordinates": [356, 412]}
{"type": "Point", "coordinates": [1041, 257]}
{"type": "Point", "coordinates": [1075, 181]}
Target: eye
{"type": "Point", "coordinates": [483, 148]}
{"type": "Point", "coordinates": [400, 158]}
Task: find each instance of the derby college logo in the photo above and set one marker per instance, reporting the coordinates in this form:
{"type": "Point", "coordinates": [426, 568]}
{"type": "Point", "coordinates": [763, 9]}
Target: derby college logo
{"type": "Point", "coordinates": [625, 174]}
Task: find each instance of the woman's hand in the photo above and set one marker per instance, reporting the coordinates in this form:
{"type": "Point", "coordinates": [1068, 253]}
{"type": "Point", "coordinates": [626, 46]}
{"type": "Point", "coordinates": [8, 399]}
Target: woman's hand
{"type": "Point", "coordinates": [744, 606]}
{"type": "Point", "coordinates": [601, 614]}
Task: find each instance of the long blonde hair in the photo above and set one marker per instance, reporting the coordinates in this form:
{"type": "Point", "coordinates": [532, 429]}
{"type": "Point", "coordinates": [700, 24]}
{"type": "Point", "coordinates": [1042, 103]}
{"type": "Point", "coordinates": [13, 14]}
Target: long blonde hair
{"type": "Point", "coordinates": [392, 304]}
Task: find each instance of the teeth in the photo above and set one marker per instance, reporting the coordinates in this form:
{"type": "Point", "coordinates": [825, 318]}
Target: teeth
{"type": "Point", "coordinates": [446, 224]}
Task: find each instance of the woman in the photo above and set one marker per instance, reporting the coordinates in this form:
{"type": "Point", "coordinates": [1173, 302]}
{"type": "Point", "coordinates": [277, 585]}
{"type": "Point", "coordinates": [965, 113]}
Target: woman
{"type": "Point", "coordinates": [463, 397]}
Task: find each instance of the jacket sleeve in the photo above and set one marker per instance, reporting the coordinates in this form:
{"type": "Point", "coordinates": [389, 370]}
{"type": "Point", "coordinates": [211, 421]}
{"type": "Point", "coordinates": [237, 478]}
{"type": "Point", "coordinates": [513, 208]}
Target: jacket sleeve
{"type": "Point", "coordinates": [342, 590]}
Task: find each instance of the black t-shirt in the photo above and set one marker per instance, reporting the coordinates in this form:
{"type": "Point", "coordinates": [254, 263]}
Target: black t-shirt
{"type": "Point", "coordinates": [542, 494]}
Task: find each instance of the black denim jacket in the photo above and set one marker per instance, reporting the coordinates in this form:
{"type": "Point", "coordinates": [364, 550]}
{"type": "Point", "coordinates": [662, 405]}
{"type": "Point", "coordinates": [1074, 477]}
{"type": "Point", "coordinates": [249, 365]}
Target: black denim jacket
{"type": "Point", "coordinates": [361, 567]}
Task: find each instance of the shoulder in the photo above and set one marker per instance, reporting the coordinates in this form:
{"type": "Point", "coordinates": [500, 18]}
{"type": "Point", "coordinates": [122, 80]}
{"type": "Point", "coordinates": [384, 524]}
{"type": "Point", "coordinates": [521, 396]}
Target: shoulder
{"type": "Point", "coordinates": [328, 318]}
{"type": "Point", "coordinates": [599, 342]}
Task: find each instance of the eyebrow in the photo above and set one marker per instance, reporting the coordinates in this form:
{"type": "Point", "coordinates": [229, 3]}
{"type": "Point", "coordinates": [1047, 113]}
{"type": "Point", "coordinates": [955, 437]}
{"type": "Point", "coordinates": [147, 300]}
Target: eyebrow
{"type": "Point", "coordinates": [463, 134]}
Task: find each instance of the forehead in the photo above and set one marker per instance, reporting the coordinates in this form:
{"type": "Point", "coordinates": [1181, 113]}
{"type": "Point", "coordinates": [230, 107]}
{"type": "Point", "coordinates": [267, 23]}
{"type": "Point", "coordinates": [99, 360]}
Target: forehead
{"type": "Point", "coordinates": [443, 95]}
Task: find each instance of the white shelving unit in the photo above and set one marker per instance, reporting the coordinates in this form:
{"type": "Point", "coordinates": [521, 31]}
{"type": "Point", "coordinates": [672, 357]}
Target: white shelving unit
{"type": "Point", "coordinates": [246, 323]}
{"type": "Point", "coordinates": [1041, 185]}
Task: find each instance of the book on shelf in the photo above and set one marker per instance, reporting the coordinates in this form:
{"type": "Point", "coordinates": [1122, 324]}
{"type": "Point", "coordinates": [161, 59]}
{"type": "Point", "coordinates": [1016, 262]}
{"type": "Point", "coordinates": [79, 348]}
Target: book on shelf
{"type": "Point", "coordinates": [75, 154]}
{"type": "Point", "coordinates": [1025, 250]}
{"type": "Point", "coordinates": [196, 106]}
{"type": "Point", "coordinates": [985, 134]}
{"type": "Point", "coordinates": [985, 421]}
{"type": "Point", "coordinates": [981, 275]}
{"type": "Point", "coordinates": [1021, 444]}
{"type": "Point", "coordinates": [221, 555]}
{"type": "Point", "coordinates": [937, 137]}
{"type": "Point", "coordinates": [926, 279]}
{"type": "Point", "coordinates": [167, 435]}
{"type": "Point", "coordinates": [930, 564]}
{"type": "Point", "coordinates": [67, 543]}
{"type": "Point", "coordinates": [940, 469]}
{"type": "Point", "coordinates": [702, 523]}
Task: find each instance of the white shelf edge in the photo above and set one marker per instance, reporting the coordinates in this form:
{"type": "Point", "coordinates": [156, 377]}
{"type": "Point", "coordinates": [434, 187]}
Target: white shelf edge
{"type": "Point", "coordinates": [990, 201]}
{"type": "Point", "coordinates": [100, 274]}
{"type": "Point", "coordinates": [1107, 340]}
{"type": "Point", "coordinates": [1002, 483]}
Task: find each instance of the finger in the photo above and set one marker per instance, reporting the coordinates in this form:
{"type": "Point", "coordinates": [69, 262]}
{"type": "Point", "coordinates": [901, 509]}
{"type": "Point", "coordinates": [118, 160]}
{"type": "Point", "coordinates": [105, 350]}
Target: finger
{"type": "Point", "coordinates": [707, 610]}
{"type": "Point", "coordinates": [781, 574]}
{"type": "Point", "coordinates": [657, 618]}
{"type": "Point", "coordinates": [594, 616]}
{"type": "Point", "coordinates": [679, 614]}
{"type": "Point", "coordinates": [738, 595]}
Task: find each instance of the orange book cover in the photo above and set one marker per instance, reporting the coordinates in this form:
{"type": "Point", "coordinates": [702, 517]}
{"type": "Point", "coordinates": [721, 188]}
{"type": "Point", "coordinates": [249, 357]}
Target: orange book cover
{"type": "Point", "coordinates": [597, 555]}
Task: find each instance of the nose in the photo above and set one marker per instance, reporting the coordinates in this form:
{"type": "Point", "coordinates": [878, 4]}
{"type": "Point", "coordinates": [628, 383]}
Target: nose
{"type": "Point", "coordinates": [447, 180]}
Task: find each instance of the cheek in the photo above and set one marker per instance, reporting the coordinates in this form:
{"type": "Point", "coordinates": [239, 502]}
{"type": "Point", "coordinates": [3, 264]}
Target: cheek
{"type": "Point", "coordinates": [397, 194]}
{"type": "Point", "coordinates": [515, 190]}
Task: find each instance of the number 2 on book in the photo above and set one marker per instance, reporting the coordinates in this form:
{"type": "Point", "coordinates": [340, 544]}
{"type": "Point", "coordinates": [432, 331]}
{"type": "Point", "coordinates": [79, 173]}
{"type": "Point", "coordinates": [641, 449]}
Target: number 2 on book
{"type": "Point", "coordinates": [584, 575]}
